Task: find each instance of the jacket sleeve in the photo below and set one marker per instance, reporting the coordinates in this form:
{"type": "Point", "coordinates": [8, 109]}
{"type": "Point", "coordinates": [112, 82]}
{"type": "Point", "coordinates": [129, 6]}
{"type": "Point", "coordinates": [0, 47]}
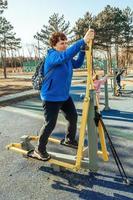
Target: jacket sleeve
{"type": "Point", "coordinates": [60, 57]}
{"type": "Point", "coordinates": [79, 61]}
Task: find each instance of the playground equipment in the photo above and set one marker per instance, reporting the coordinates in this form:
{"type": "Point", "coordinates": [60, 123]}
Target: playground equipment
{"type": "Point", "coordinates": [30, 66]}
{"type": "Point", "coordinates": [87, 121]}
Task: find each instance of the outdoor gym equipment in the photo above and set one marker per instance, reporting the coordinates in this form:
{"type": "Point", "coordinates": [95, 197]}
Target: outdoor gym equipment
{"type": "Point", "coordinates": [87, 121]}
{"type": "Point", "coordinates": [120, 91]}
{"type": "Point", "coordinates": [123, 91]}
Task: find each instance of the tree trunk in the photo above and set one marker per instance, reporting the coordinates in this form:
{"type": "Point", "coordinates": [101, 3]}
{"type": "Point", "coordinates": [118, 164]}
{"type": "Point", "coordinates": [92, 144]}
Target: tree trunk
{"type": "Point", "coordinates": [4, 58]}
{"type": "Point", "coordinates": [109, 59]}
{"type": "Point", "coordinates": [4, 64]}
{"type": "Point", "coordinates": [127, 59]}
{"type": "Point", "coordinates": [116, 53]}
{"type": "Point", "coordinates": [12, 61]}
{"type": "Point", "coordinates": [5, 74]}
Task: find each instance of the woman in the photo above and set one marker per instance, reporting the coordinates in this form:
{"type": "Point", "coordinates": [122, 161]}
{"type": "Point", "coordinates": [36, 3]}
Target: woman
{"type": "Point", "coordinates": [55, 89]}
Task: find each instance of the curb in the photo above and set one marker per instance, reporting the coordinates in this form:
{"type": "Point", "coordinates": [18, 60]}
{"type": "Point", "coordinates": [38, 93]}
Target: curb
{"type": "Point", "coordinates": [18, 97]}
{"type": "Point", "coordinates": [11, 98]}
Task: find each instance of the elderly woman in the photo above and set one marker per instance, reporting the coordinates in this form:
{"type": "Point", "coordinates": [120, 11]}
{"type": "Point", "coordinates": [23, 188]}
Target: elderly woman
{"type": "Point", "coordinates": [55, 89]}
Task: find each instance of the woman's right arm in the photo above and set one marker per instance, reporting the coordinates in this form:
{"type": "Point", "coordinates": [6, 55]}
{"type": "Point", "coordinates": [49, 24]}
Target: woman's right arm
{"type": "Point", "coordinates": [59, 57]}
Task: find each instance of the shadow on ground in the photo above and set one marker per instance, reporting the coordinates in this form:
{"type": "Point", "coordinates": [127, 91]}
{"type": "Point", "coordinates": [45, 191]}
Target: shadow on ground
{"type": "Point", "coordinates": [118, 115]}
{"type": "Point", "coordinates": [76, 182]}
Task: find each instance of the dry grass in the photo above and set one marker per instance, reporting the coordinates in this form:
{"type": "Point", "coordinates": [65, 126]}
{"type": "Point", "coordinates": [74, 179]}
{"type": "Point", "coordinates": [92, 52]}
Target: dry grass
{"type": "Point", "coordinates": [13, 84]}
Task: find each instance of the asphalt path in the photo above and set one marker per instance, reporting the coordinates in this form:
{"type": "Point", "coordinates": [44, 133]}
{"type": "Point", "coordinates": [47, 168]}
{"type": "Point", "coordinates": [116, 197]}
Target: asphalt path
{"type": "Point", "coordinates": [22, 178]}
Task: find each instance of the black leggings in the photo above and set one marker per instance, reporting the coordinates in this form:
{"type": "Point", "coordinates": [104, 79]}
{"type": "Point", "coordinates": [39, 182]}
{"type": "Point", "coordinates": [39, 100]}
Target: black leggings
{"type": "Point", "coordinates": [119, 87]}
{"type": "Point", "coordinates": [51, 110]}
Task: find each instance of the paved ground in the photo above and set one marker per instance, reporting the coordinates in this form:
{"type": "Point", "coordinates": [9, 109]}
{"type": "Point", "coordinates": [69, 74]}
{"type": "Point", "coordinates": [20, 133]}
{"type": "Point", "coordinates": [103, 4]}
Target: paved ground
{"type": "Point", "coordinates": [27, 179]}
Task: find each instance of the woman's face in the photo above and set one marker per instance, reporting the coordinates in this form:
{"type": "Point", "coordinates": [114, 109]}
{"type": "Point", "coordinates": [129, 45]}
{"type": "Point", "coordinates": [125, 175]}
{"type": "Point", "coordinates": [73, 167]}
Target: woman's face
{"type": "Point", "coordinates": [61, 45]}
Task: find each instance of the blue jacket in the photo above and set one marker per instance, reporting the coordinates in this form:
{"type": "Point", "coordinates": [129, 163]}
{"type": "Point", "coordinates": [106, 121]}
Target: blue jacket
{"type": "Point", "coordinates": [57, 84]}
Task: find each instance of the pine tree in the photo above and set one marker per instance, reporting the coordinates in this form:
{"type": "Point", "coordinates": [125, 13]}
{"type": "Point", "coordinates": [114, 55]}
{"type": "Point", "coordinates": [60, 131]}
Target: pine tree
{"type": "Point", "coordinates": [7, 40]}
{"type": "Point", "coordinates": [3, 5]}
{"type": "Point", "coordinates": [55, 23]}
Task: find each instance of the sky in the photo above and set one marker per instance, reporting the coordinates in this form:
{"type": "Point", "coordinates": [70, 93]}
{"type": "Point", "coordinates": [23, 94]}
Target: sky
{"type": "Point", "coordinates": [29, 16]}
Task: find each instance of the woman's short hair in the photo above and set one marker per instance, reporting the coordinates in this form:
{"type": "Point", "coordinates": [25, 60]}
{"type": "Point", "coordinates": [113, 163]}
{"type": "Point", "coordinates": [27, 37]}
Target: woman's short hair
{"type": "Point", "coordinates": [56, 37]}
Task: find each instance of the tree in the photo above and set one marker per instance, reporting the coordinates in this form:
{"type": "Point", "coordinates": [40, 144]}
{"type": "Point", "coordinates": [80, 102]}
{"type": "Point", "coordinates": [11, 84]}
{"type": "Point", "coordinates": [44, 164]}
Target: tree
{"type": "Point", "coordinates": [55, 23]}
{"type": "Point", "coordinates": [127, 34]}
{"type": "Point", "coordinates": [7, 40]}
{"type": "Point", "coordinates": [3, 5]}
{"type": "Point", "coordinates": [13, 45]}
{"type": "Point", "coordinates": [109, 25]}
{"type": "Point", "coordinates": [112, 28]}
{"type": "Point", "coordinates": [82, 24]}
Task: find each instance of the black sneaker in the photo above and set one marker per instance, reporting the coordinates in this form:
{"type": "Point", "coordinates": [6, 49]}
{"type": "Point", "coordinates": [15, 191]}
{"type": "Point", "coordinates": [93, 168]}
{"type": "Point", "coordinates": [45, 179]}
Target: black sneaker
{"type": "Point", "coordinates": [41, 156]}
{"type": "Point", "coordinates": [69, 143]}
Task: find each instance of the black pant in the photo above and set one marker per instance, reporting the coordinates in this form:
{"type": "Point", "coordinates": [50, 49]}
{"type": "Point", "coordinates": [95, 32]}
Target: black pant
{"type": "Point", "coordinates": [119, 87]}
{"type": "Point", "coordinates": [51, 110]}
